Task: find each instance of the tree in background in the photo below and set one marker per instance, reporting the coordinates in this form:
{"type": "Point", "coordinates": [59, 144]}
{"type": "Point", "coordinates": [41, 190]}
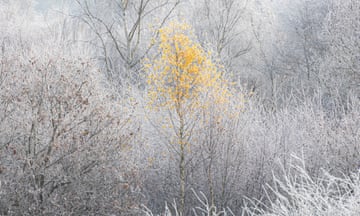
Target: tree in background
{"type": "Point", "coordinates": [341, 65]}
{"type": "Point", "coordinates": [222, 24]}
{"type": "Point", "coordinates": [124, 32]}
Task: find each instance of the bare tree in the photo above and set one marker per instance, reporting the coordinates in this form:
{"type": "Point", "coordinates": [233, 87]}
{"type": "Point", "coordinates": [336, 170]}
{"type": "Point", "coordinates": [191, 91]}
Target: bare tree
{"type": "Point", "coordinates": [125, 32]}
{"type": "Point", "coordinates": [341, 64]}
{"type": "Point", "coordinates": [221, 25]}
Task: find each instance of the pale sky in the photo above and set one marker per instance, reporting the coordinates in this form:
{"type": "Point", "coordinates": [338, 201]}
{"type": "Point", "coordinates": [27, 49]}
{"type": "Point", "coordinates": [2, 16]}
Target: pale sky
{"type": "Point", "coordinates": [43, 5]}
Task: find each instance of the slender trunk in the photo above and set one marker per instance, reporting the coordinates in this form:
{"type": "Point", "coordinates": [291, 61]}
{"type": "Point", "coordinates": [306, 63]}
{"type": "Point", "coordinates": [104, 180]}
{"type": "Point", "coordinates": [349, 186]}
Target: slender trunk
{"type": "Point", "coordinates": [182, 166]}
{"type": "Point", "coordinates": [211, 188]}
{"type": "Point", "coordinates": [182, 180]}
{"type": "Point", "coordinates": [211, 146]}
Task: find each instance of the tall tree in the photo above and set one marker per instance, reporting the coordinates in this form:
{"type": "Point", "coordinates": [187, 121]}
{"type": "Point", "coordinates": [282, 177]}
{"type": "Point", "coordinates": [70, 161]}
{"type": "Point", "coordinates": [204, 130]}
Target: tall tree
{"type": "Point", "coordinates": [179, 79]}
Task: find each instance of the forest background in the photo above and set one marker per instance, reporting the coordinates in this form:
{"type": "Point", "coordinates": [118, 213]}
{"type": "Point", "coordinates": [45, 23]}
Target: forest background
{"type": "Point", "coordinates": [179, 107]}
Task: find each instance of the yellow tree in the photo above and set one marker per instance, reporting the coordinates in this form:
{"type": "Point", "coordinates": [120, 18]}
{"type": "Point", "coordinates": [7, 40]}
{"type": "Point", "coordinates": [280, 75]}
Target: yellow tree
{"type": "Point", "coordinates": [181, 79]}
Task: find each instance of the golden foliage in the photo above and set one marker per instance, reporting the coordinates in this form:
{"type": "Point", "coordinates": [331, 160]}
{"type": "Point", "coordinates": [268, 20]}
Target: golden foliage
{"type": "Point", "coordinates": [183, 73]}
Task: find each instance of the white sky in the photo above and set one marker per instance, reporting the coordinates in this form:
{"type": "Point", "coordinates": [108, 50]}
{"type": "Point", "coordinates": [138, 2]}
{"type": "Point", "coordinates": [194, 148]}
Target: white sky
{"type": "Point", "coordinates": [44, 5]}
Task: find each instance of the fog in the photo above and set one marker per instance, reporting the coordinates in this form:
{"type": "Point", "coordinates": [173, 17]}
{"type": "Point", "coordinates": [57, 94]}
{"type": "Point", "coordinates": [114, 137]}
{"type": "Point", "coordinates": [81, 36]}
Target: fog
{"type": "Point", "coordinates": [179, 107]}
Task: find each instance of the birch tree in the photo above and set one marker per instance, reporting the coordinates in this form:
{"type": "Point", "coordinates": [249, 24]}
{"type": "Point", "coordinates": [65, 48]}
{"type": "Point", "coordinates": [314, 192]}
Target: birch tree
{"type": "Point", "coordinates": [180, 79]}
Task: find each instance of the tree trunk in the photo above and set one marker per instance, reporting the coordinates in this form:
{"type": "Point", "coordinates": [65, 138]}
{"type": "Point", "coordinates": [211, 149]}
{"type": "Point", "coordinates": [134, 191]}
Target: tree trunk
{"type": "Point", "coordinates": [182, 166]}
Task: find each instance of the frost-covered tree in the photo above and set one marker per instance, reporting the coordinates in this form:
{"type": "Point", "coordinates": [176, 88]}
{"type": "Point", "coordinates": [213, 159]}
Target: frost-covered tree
{"type": "Point", "coordinates": [179, 79]}
{"type": "Point", "coordinates": [124, 33]}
